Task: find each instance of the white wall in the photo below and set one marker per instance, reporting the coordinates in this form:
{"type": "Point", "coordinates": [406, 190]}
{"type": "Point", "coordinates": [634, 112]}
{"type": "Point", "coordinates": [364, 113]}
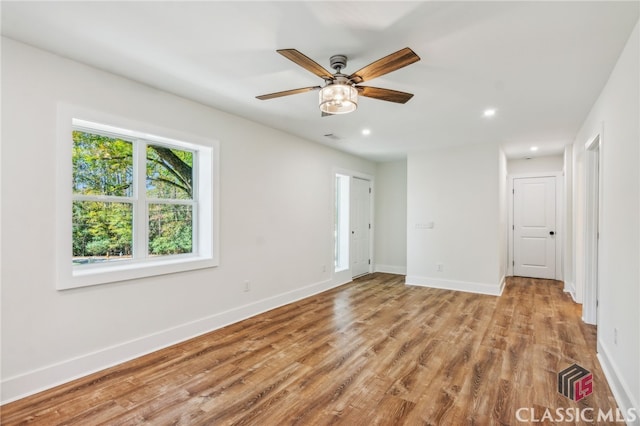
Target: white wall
{"type": "Point", "coordinates": [391, 217]}
{"type": "Point", "coordinates": [616, 111]}
{"type": "Point", "coordinates": [549, 163]}
{"type": "Point", "coordinates": [276, 227]}
{"type": "Point", "coordinates": [458, 190]}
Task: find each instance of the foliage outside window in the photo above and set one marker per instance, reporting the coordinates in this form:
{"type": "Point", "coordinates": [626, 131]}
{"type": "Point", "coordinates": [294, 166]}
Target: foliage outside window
{"type": "Point", "coordinates": [118, 214]}
{"type": "Point", "coordinates": [169, 182]}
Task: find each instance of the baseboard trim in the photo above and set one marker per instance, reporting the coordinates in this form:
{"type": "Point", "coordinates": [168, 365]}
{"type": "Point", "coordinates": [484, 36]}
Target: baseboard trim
{"type": "Point", "coordinates": [391, 269]}
{"type": "Point", "coordinates": [503, 282]}
{"type": "Point", "coordinates": [469, 287]}
{"type": "Point", "coordinates": [570, 287]}
{"type": "Point", "coordinates": [23, 385]}
{"type": "Point", "coordinates": [618, 385]}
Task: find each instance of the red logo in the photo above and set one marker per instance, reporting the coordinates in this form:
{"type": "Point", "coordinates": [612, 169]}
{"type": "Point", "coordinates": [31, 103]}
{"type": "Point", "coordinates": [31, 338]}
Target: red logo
{"type": "Point", "coordinates": [575, 382]}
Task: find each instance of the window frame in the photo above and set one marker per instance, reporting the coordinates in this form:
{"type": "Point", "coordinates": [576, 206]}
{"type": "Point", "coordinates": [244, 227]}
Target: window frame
{"type": "Point", "coordinates": [204, 200]}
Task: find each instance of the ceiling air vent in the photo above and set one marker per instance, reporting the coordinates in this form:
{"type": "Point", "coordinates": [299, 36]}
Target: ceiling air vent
{"type": "Point", "coordinates": [332, 137]}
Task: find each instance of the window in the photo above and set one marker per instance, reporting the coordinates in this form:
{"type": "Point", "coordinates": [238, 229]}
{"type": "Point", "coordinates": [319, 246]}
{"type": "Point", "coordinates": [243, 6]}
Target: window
{"type": "Point", "coordinates": [341, 252]}
{"type": "Point", "coordinates": [138, 205]}
{"type": "Point", "coordinates": [107, 198]}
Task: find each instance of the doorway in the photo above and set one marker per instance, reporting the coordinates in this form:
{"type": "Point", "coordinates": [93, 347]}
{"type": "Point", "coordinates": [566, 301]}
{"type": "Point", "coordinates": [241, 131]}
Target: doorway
{"type": "Point", "coordinates": [360, 259]}
{"type": "Point", "coordinates": [535, 247]}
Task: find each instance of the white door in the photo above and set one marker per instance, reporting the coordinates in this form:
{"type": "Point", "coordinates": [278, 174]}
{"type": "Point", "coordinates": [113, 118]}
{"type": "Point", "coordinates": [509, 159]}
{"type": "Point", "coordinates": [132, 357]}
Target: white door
{"type": "Point", "coordinates": [360, 227]}
{"type": "Point", "coordinates": [534, 221]}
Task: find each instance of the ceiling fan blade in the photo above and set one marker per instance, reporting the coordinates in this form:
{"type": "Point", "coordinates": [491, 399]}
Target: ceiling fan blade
{"type": "Point", "coordinates": [287, 93]}
{"type": "Point", "coordinates": [306, 63]}
{"type": "Point", "coordinates": [385, 65]}
{"type": "Point", "coordinates": [384, 94]}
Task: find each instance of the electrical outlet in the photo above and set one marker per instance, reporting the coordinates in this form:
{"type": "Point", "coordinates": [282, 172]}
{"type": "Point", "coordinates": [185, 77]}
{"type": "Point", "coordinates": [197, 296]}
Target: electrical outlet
{"type": "Point", "coordinates": [615, 336]}
{"type": "Point", "coordinates": [439, 267]}
{"type": "Point", "coordinates": [247, 285]}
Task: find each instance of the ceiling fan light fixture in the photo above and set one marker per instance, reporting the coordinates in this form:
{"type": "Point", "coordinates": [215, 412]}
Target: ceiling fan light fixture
{"type": "Point", "coordinates": [338, 98]}
{"type": "Point", "coordinates": [340, 92]}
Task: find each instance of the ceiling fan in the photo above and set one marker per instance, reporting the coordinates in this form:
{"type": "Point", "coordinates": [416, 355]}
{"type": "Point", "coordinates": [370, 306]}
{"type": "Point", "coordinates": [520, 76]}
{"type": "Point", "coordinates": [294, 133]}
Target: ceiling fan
{"type": "Point", "coordinates": [339, 94]}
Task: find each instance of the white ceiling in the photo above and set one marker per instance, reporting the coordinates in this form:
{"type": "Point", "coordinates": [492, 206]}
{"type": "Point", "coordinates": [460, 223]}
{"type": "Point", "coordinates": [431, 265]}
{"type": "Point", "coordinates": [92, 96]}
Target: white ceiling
{"type": "Point", "coordinates": [540, 64]}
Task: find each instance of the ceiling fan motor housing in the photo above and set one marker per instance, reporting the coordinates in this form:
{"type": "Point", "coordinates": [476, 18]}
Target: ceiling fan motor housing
{"type": "Point", "coordinates": [338, 62]}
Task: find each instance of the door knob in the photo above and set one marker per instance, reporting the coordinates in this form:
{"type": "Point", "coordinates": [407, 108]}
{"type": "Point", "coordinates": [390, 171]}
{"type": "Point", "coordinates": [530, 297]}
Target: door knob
{"type": "Point", "coordinates": [552, 233]}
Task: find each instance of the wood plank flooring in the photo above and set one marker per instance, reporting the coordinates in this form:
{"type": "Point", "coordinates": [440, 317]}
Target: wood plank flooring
{"type": "Point", "coordinates": [372, 352]}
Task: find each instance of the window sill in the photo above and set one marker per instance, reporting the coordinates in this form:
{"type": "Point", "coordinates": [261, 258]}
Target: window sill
{"type": "Point", "coordinates": [130, 270]}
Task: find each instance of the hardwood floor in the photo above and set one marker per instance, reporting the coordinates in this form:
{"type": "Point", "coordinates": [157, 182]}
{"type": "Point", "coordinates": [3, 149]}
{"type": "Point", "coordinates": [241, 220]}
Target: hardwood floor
{"type": "Point", "coordinates": [371, 352]}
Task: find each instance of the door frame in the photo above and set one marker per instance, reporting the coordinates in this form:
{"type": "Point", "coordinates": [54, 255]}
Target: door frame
{"type": "Point", "coordinates": [593, 218]}
{"type": "Point", "coordinates": [370, 224]}
{"type": "Point", "coordinates": [344, 276]}
{"type": "Point", "coordinates": [559, 215]}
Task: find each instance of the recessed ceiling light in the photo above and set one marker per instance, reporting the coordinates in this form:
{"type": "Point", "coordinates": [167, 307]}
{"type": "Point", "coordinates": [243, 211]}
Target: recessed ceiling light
{"type": "Point", "coordinates": [534, 148]}
{"type": "Point", "coordinates": [366, 132]}
{"type": "Point", "coordinates": [489, 112]}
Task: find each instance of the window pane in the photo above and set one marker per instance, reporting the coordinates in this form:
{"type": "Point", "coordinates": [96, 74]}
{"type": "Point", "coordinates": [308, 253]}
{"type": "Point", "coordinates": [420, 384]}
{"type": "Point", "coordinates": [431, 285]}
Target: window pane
{"type": "Point", "coordinates": [101, 231]}
{"type": "Point", "coordinates": [102, 165]}
{"type": "Point", "coordinates": [170, 229]}
{"type": "Point", "coordinates": [169, 173]}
